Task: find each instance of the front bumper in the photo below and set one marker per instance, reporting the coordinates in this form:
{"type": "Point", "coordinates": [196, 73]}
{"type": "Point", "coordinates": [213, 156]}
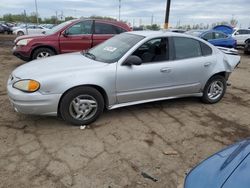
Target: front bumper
{"type": "Point", "coordinates": [33, 103]}
{"type": "Point", "coordinates": [22, 52]}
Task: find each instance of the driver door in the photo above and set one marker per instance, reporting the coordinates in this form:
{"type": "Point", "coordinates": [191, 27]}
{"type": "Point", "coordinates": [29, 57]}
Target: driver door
{"type": "Point", "coordinates": [148, 80]}
{"type": "Point", "coordinates": [77, 37]}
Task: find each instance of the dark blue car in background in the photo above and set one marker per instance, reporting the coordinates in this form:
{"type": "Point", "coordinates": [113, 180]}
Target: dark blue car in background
{"type": "Point", "coordinates": [217, 38]}
{"type": "Point", "coordinates": [229, 168]}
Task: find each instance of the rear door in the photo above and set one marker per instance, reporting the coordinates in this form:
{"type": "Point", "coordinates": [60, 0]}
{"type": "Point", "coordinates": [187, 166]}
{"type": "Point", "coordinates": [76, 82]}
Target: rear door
{"type": "Point", "coordinates": [104, 31]}
{"type": "Point", "coordinates": [77, 37]}
{"type": "Point", "coordinates": [192, 65]}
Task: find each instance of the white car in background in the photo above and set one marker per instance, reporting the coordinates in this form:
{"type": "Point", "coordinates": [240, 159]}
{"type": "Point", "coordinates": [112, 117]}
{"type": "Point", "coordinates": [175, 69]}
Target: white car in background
{"type": "Point", "coordinates": [241, 35]}
{"type": "Point", "coordinates": [30, 30]}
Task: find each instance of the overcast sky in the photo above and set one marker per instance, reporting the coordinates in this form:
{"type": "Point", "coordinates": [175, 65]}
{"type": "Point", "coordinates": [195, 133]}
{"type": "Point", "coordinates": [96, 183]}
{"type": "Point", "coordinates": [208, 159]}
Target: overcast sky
{"type": "Point", "coordinates": [185, 11]}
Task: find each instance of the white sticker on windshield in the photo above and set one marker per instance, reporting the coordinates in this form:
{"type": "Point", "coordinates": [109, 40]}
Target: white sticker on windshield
{"type": "Point", "coordinates": [110, 49]}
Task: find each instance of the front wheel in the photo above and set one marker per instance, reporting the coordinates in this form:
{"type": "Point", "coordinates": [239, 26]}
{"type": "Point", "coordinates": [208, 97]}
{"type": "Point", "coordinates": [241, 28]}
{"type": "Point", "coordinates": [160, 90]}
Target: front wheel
{"type": "Point", "coordinates": [214, 89]}
{"type": "Point", "coordinates": [42, 53]}
{"type": "Point", "coordinates": [81, 106]}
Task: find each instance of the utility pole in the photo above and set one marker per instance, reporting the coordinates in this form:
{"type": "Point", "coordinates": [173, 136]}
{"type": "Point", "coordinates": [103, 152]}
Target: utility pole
{"type": "Point", "coordinates": [56, 16]}
{"type": "Point", "coordinates": [152, 19]}
{"type": "Point", "coordinates": [119, 10]}
{"type": "Point", "coordinates": [166, 24]}
{"type": "Point", "coordinates": [25, 21]}
{"type": "Point", "coordinates": [37, 21]}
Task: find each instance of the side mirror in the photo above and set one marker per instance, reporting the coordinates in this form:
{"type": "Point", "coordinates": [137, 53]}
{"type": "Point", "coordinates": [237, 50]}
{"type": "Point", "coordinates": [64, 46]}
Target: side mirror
{"type": "Point", "coordinates": [43, 32]}
{"type": "Point", "coordinates": [133, 60]}
{"type": "Point", "coordinates": [65, 33]}
{"type": "Point", "coordinates": [237, 33]}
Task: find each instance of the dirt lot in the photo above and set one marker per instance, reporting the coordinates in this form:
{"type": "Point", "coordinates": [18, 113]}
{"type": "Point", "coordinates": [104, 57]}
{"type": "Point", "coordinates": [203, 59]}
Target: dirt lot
{"type": "Point", "coordinates": [162, 139]}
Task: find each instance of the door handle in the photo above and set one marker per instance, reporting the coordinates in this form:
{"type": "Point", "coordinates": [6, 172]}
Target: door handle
{"type": "Point", "coordinates": [207, 64]}
{"type": "Point", "coordinates": [166, 70]}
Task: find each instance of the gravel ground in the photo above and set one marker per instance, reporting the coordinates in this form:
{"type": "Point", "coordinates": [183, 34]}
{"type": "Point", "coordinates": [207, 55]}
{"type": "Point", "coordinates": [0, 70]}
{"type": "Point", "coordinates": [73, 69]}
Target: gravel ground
{"type": "Point", "coordinates": [162, 140]}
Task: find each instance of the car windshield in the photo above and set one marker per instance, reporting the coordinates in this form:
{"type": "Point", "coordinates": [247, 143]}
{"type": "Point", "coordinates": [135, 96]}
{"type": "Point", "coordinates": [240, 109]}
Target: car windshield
{"type": "Point", "coordinates": [113, 49]}
{"type": "Point", "coordinates": [58, 27]}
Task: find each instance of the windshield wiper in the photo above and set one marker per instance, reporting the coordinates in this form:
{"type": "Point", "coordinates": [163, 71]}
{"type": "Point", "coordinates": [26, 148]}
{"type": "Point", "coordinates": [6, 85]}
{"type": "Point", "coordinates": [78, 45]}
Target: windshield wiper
{"type": "Point", "coordinates": [92, 56]}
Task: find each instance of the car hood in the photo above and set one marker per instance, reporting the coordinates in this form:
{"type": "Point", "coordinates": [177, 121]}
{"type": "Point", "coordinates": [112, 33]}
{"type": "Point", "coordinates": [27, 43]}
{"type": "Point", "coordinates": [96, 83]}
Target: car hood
{"type": "Point", "coordinates": [217, 169]}
{"type": "Point", "coordinates": [30, 37]}
{"type": "Point", "coordinates": [59, 64]}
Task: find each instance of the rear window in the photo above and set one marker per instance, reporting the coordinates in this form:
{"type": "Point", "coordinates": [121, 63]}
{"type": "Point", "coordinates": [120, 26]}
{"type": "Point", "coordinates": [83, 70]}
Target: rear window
{"type": "Point", "coordinates": [186, 48]}
{"type": "Point", "coordinates": [103, 28]}
{"type": "Point", "coordinates": [206, 50]}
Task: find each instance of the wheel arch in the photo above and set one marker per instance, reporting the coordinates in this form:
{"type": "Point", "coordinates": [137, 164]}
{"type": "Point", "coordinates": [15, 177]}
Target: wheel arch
{"type": "Point", "coordinates": [224, 74]}
{"type": "Point", "coordinates": [43, 46]}
{"type": "Point", "coordinates": [98, 88]}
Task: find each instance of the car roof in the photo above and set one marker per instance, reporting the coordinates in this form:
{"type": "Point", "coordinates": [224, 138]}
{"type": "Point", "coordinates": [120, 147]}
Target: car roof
{"type": "Point", "coordinates": [159, 33]}
{"type": "Point", "coordinates": [114, 22]}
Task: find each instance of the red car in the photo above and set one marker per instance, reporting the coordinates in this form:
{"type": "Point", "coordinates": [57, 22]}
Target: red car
{"type": "Point", "coordinates": [70, 36]}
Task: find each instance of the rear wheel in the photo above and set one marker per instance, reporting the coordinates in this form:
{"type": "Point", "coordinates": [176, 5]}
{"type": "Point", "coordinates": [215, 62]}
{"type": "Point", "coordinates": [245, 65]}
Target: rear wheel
{"type": "Point", "coordinates": [81, 106]}
{"type": "Point", "coordinates": [42, 53]}
{"type": "Point", "coordinates": [214, 89]}
{"type": "Point", "coordinates": [20, 33]}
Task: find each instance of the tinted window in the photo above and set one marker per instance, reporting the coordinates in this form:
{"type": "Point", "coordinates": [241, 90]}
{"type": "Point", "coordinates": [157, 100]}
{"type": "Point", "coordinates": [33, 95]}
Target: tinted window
{"type": "Point", "coordinates": [154, 50]}
{"type": "Point", "coordinates": [243, 32]}
{"type": "Point", "coordinates": [101, 28]}
{"type": "Point", "coordinates": [186, 48]}
{"type": "Point", "coordinates": [80, 28]}
{"type": "Point", "coordinates": [119, 30]}
{"type": "Point", "coordinates": [208, 36]}
{"type": "Point", "coordinates": [219, 36]}
{"type": "Point", "coordinates": [206, 50]}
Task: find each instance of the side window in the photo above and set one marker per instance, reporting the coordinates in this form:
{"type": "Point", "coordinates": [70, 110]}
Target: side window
{"type": "Point", "coordinates": [119, 30]}
{"type": "Point", "coordinates": [220, 35]}
{"type": "Point", "coordinates": [102, 28]}
{"type": "Point", "coordinates": [80, 28]}
{"type": "Point", "coordinates": [242, 32]}
{"type": "Point", "coordinates": [206, 50]}
{"type": "Point", "coordinates": [186, 48]}
{"type": "Point", "coordinates": [154, 50]}
{"type": "Point", "coordinates": [208, 36]}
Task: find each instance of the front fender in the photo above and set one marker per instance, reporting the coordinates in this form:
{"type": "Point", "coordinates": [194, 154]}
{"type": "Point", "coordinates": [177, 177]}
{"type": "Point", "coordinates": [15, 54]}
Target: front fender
{"type": "Point", "coordinates": [103, 77]}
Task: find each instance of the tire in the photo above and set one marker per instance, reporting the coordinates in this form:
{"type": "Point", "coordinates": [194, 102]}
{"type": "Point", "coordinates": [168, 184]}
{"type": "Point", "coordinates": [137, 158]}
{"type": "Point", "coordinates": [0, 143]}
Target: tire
{"type": "Point", "coordinates": [214, 93]}
{"type": "Point", "coordinates": [42, 53]}
{"type": "Point", "coordinates": [20, 33]}
{"type": "Point", "coordinates": [246, 52]}
{"type": "Point", "coordinates": [79, 112]}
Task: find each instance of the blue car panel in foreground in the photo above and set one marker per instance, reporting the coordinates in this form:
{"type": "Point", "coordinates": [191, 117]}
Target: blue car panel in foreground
{"type": "Point", "coordinates": [218, 38]}
{"type": "Point", "coordinates": [229, 168]}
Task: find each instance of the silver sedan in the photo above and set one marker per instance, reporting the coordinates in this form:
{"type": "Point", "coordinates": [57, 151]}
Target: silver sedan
{"type": "Point", "coordinates": [128, 69]}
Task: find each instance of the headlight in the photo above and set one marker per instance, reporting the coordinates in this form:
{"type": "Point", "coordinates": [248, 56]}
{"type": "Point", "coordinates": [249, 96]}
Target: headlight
{"type": "Point", "coordinates": [23, 42]}
{"type": "Point", "coordinates": [27, 85]}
